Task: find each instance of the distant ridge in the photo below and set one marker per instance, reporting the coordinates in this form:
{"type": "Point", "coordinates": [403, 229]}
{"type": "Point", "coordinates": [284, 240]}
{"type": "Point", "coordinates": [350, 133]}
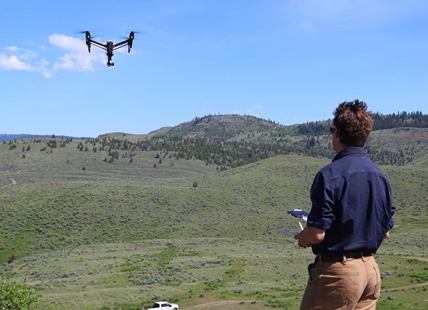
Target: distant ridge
{"type": "Point", "coordinates": [10, 137]}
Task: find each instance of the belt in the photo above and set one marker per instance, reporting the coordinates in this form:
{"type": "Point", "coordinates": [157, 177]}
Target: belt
{"type": "Point", "coordinates": [340, 258]}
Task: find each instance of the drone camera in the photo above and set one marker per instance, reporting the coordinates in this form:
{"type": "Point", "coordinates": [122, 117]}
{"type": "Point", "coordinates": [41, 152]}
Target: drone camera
{"type": "Point", "coordinates": [110, 64]}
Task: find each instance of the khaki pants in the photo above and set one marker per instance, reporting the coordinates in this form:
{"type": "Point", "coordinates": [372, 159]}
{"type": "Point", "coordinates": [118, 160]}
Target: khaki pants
{"type": "Point", "coordinates": [350, 284]}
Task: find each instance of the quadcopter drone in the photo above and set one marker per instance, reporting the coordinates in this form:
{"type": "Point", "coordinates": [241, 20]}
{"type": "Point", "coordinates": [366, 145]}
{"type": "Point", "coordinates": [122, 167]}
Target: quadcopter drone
{"type": "Point", "coordinates": [109, 46]}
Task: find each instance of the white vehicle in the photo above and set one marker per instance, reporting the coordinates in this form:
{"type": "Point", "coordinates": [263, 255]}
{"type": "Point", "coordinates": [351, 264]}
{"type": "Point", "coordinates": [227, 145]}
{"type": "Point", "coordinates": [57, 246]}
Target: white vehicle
{"type": "Point", "coordinates": [162, 305]}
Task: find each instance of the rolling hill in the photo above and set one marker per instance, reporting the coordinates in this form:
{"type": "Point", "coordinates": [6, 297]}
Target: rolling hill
{"type": "Point", "coordinates": [189, 212]}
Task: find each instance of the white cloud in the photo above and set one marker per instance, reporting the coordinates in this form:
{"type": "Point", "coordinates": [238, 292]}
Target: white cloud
{"type": "Point", "coordinates": [42, 67]}
{"type": "Point", "coordinates": [77, 57]}
{"type": "Point", "coordinates": [252, 110]}
{"type": "Point", "coordinates": [12, 62]}
{"type": "Point", "coordinates": [15, 58]}
{"type": "Point", "coordinates": [11, 48]}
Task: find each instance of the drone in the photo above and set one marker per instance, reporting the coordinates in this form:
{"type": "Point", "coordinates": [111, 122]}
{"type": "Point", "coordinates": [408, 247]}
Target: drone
{"type": "Point", "coordinates": [109, 46]}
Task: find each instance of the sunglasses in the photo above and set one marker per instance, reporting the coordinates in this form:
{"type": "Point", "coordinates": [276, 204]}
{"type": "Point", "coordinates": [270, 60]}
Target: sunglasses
{"type": "Point", "coordinates": [332, 129]}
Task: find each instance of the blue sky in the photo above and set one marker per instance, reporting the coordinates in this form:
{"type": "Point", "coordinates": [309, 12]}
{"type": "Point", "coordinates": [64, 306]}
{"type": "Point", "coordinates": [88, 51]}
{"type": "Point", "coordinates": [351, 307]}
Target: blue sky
{"type": "Point", "coordinates": [290, 61]}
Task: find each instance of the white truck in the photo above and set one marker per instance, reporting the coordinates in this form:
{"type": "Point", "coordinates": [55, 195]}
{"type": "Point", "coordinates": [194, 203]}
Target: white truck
{"type": "Point", "coordinates": [162, 305]}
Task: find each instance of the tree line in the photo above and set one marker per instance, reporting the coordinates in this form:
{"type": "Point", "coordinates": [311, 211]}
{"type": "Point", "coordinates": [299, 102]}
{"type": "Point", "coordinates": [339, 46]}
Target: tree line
{"type": "Point", "coordinates": [380, 121]}
{"type": "Point", "coordinates": [262, 139]}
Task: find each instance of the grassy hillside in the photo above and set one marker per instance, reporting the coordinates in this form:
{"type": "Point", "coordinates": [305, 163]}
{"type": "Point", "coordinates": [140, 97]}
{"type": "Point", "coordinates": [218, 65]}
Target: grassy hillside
{"type": "Point", "coordinates": [190, 214]}
{"type": "Point", "coordinates": [89, 232]}
{"type": "Point", "coordinates": [55, 203]}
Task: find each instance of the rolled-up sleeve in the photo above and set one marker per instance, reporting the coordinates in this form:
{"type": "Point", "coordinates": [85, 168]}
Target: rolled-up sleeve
{"type": "Point", "coordinates": [322, 197]}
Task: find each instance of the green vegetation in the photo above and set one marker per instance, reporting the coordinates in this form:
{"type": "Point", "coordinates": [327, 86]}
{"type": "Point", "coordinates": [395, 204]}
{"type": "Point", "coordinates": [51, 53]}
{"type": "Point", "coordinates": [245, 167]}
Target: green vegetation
{"type": "Point", "coordinates": [193, 217]}
{"type": "Point", "coordinates": [18, 296]}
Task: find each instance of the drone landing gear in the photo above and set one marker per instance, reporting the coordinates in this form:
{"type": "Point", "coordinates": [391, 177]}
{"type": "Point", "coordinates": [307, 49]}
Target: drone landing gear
{"type": "Point", "coordinates": [110, 64]}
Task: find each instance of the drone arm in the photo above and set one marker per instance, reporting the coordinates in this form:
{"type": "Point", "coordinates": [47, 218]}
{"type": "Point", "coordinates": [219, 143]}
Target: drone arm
{"type": "Point", "coordinates": [98, 44]}
{"type": "Point", "coordinates": [121, 44]}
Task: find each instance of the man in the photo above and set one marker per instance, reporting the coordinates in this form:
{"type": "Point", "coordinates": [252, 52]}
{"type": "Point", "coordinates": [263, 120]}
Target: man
{"type": "Point", "coordinates": [351, 214]}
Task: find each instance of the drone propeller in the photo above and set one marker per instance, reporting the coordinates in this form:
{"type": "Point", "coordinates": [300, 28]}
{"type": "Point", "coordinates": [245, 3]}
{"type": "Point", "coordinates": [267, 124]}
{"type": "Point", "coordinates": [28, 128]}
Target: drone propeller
{"type": "Point", "coordinates": [133, 32]}
{"type": "Point", "coordinates": [82, 31]}
{"type": "Point", "coordinates": [87, 32]}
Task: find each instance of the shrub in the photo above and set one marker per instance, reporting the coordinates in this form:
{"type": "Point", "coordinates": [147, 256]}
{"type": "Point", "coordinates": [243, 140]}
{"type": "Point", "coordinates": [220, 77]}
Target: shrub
{"type": "Point", "coordinates": [11, 259]}
{"type": "Point", "coordinates": [16, 296]}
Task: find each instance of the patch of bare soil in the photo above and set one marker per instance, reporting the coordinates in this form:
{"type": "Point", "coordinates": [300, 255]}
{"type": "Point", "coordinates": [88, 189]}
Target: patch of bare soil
{"type": "Point", "coordinates": [240, 304]}
{"type": "Point", "coordinates": [422, 259]}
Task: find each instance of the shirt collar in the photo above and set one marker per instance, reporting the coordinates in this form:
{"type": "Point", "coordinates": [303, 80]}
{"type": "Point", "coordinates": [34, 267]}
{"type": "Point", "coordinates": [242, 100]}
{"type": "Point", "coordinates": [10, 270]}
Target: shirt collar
{"type": "Point", "coordinates": [349, 151]}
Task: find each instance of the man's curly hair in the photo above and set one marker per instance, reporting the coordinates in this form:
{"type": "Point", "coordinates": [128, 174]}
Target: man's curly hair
{"type": "Point", "coordinates": [353, 122]}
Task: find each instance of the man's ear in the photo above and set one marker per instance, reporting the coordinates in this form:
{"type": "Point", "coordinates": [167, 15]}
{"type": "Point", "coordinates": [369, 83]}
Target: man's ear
{"type": "Point", "coordinates": [336, 133]}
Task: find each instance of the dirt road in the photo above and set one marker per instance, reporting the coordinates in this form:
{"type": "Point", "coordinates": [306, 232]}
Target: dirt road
{"type": "Point", "coordinates": [13, 183]}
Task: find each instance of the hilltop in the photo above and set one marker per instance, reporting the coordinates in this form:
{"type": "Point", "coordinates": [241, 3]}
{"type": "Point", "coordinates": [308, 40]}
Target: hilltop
{"type": "Point", "coordinates": [235, 140]}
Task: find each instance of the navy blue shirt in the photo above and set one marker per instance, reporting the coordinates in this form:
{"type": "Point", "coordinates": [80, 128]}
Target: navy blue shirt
{"type": "Point", "coordinates": [352, 201]}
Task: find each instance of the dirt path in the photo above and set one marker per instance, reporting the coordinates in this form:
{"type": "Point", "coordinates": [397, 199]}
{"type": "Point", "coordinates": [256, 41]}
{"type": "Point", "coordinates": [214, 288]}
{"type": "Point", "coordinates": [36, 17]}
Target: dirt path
{"type": "Point", "coordinates": [405, 287]}
{"type": "Point", "coordinates": [13, 183]}
{"type": "Point", "coordinates": [217, 304]}
{"type": "Point", "coordinates": [241, 266]}
{"type": "Point", "coordinates": [422, 259]}
{"type": "Point", "coordinates": [251, 304]}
